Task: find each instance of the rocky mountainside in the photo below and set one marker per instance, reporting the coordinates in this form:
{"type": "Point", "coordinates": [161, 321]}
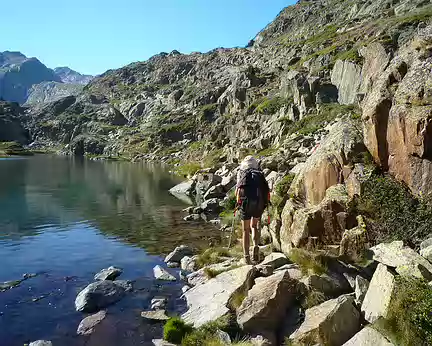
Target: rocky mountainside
{"type": "Point", "coordinates": [72, 77]}
{"type": "Point", "coordinates": [11, 128]}
{"type": "Point", "coordinates": [25, 79]}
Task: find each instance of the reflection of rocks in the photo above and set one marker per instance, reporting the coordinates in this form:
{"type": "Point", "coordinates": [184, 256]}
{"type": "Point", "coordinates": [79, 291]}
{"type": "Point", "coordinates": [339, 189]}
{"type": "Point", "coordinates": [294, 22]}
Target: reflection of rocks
{"type": "Point", "coordinates": [89, 323]}
{"type": "Point", "coordinates": [110, 273]}
{"type": "Point", "coordinates": [101, 294]}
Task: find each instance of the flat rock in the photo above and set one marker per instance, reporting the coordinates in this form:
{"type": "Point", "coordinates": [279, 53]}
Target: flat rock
{"type": "Point", "coordinates": [406, 260]}
{"type": "Point", "coordinates": [173, 265]}
{"type": "Point", "coordinates": [162, 274]}
{"type": "Point", "coordinates": [266, 303]}
{"type": "Point", "coordinates": [88, 324]}
{"type": "Point", "coordinates": [41, 343]}
{"type": "Point", "coordinates": [158, 315]}
{"type": "Point", "coordinates": [110, 273]}
{"type": "Point", "coordinates": [199, 277]}
{"type": "Point", "coordinates": [161, 342]}
{"type": "Point", "coordinates": [185, 188]}
{"type": "Point", "coordinates": [368, 336]}
{"type": "Point", "coordinates": [211, 300]}
{"type": "Point", "coordinates": [101, 294]}
{"type": "Point", "coordinates": [276, 260]}
{"type": "Point", "coordinates": [178, 253]}
{"type": "Point", "coordinates": [378, 296]}
{"type": "Point", "coordinates": [426, 243]}
{"type": "Point", "coordinates": [293, 270]}
{"type": "Point", "coordinates": [330, 323]}
{"type": "Point", "coordinates": [331, 284]}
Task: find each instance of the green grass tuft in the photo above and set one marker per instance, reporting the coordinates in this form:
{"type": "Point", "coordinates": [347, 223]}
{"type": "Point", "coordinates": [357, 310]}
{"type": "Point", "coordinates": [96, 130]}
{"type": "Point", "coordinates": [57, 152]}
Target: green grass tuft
{"type": "Point", "coordinates": [175, 330]}
{"type": "Point", "coordinates": [308, 261]}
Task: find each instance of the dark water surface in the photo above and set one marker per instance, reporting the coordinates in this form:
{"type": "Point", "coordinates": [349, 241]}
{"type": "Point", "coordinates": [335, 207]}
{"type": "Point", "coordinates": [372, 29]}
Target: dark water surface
{"type": "Point", "coordinates": [66, 219]}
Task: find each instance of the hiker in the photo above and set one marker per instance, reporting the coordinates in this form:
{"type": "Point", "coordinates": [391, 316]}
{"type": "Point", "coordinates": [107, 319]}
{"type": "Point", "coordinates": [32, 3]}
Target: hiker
{"type": "Point", "coordinates": [253, 195]}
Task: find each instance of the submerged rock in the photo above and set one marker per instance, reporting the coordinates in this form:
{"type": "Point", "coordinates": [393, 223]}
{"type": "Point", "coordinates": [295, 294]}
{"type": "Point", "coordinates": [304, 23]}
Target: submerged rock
{"type": "Point", "coordinates": [162, 274]}
{"type": "Point", "coordinates": [158, 315]}
{"type": "Point", "coordinates": [89, 323]}
{"type": "Point", "coordinates": [158, 303]}
{"type": "Point", "coordinates": [110, 273]}
{"type": "Point", "coordinates": [41, 343]}
{"type": "Point", "coordinates": [101, 294]}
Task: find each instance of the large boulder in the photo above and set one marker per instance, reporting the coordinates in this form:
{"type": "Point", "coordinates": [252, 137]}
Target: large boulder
{"type": "Point", "coordinates": [368, 336]}
{"type": "Point", "coordinates": [346, 76]}
{"type": "Point", "coordinates": [354, 242]}
{"type": "Point", "coordinates": [266, 303]}
{"type": "Point", "coordinates": [88, 324]}
{"type": "Point", "coordinates": [205, 181]}
{"type": "Point", "coordinates": [330, 164]}
{"type": "Point", "coordinates": [212, 300]}
{"type": "Point", "coordinates": [331, 284]}
{"type": "Point", "coordinates": [184, 188]}
{"type": "Point", "coordinates": [275, 260]}
{"type": "Point", "coordinates": [161, 274]}
{"type": "Point", "coordinates": [178, 253]}
{"type": "Point", "coordinates": [101, 294]}
{"type": "Point", "coordinates": [379, 294]}
{"type": "Point", "coordinates": [406, 260]}
{"type": "Point", "coordinates": [216, 191]}
{"type": "Point", "coordinates": [331, 323]}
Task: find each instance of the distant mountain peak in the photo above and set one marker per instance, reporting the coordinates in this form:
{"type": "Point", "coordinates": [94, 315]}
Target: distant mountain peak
{"type": "Point", "coordinates": [67, 75]}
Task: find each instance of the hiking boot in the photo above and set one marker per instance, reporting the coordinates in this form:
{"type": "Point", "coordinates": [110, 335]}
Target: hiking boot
{"type": "Point", "coordinates": [256, 254]}
{"type": "Point", "coordinates": [246, 260]}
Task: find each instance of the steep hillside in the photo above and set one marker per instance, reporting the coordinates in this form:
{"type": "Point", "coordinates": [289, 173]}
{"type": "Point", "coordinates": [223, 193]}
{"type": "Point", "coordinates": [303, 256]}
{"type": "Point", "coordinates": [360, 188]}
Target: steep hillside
{"type": "Point", "coordinates": [46, 92]}
{"type": "Point", "coordinates": [70, 76]}
{"type": "Point", "coordinates": [318, 60]}
{"type": "Point", "coordinates": [11, 128]}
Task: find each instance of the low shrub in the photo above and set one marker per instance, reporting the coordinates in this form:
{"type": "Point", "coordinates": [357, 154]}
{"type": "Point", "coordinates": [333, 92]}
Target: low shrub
{"type": "Point", "coordinates": [313, 298]}
{"type": "Point", "coordinates": [206, 334]}
{"type": "Point", "coordinates": [282, 187]}
{"type": "Point", "coordinates": [175, 330]}
{"type": "Point", "coordinates": [188, 169]}
{"type": "Point", "coordinates": [308, 261]}
{"type": "Point", "coordinates": [409, 319]}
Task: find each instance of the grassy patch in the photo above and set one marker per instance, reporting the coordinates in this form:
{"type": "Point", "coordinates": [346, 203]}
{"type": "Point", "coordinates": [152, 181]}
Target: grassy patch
{"type": "Point", "coordinates": [218, 255]}
{"type": "Point", "coordinates": [269, 105]}
{"type": "Point", "coordinates": [267, 152]}
{"type": "Point", "coordinates": [13, 148]}
{"type": "Point", "coordinates": [237, 299]}
{"type": "Point", "coordinates": [391, 212]}
{"type": "Point", "coordinates": [212, 273]}
{"type": "Point", "coordinates": [351, 55]}
{"type": "Point", "coordinates": [207, 112]}
{"type": "Point", "coordinates": [282, 187]}
{"type": "Point", "coordinates": [409, 320]}
{"type": "Point", "coordinates": [308, 261]}
{"type": "Point", "coordinates": [213, 158]}
{"type": "Point", "coordinates": [313, 298]}
{"type": "Point", "coordinates": [175, 330]}
{"type": "Point", "coordinates": [188, 169]}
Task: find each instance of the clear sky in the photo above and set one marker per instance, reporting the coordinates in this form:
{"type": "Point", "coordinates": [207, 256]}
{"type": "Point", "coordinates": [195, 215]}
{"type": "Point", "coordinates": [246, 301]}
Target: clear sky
{"type": "Point", "coordinates": [92, 36]}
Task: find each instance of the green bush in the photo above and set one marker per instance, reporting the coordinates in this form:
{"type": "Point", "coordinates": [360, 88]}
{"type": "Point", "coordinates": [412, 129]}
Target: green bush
{"type": "Point", "coordinates": [392, 212]}
{"type": "Point", "coordinates": [282, 187]}
{"type": "Point", "coordinates": [409, 319]}
{"type": "Point", "coordinates": [206, 334]}
{"type": "Point", "coordinates": [188, 169]}
{"type": "Point", "coordinates": [207, 111]}
{"type": "Point", "coordinates": [175, 330]}
{"type": "Point", "coordinates": [308, 261]}
{"type": "Point", "coordinates": [269, 106]}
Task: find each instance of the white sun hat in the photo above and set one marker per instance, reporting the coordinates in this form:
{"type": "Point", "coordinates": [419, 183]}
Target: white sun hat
{"type": "Point", "coordinates": [249, 162]}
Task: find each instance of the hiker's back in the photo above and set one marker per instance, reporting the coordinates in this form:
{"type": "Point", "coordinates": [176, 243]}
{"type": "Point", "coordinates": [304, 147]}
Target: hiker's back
{"type": "Point", "coordinates": [253, 186]}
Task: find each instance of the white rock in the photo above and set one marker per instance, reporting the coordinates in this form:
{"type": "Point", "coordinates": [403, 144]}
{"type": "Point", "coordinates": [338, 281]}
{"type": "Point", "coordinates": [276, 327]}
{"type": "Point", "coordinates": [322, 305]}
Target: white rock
{"type": "Point", "coordinates": [178, 253]}
{"type": "Point", "coordinates": [209, 301]}
{"type": "Point", "coordinates": [361, 288]}
{"type": "Point", "coordinates": [161, 342]}
{"type": "Point", "coordinates": [330, 323]}
{"type": "Point", "coordinates": [189, 263]}
{"type": "Point", "coordinates": [110, 273]}
{"type": "Point", "coordinates": [427, 253]}
{"type": "Point", "coordinates": [276, 260]}
{"type": "Point", "coordinates": [378, 296]}
{"type": "Point", "coordinates": [368, 336]}
{"type": "Point", "coordinates": [41, 343]}
{"type": "Point", "coordinates": [162, 274]}
{"type": "Point", "coordinates": [158, 303]}
{"type": "Point", "coordinates": [158, 315]}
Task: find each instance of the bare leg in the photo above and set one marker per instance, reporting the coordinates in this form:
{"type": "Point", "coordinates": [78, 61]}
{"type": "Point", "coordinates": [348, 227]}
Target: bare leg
{"type": "Point", "coordinates": [246, 239]}
{"type": "Point", "coordinates": [256, 238]}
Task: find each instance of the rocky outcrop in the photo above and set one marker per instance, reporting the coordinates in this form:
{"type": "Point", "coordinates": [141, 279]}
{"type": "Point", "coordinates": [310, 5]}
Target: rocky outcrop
{"type": "Point", "coordinates": [101, 294]}
{"type": "Point", "coordinates": [332, 323]}
{"type": "Point", "coordinates": [209, 301]}
{"type": "Point", "coordinates": [11, 124]}
{"type": "Point", "coordinates": [347, 77]}
{"type": "Point", "coordinates": [266, 303]}
{"type": "Point", "coordinates": [379, 294]}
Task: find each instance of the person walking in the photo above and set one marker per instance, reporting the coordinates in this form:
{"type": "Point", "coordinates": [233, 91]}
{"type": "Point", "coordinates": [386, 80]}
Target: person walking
{"type": "Point", "coordinates": [253, 196]}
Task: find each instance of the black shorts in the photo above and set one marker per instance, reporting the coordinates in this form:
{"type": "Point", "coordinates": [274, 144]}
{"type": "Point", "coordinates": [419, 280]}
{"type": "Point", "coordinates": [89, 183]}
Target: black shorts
{"type": "Point", "coordinates": [251, 209]}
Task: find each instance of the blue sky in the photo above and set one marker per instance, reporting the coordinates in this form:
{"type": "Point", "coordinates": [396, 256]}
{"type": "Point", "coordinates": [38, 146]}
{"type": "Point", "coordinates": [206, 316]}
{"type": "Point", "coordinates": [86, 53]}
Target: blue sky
{"type": "Point", "coordinates": [92, 36]}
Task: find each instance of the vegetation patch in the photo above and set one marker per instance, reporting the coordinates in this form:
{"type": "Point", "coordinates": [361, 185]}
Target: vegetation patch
{"type": "Point", "coordinates": [187, 169]}
{"type": "Point", "coordinates": [13, 148]}
{"type": "Point", "coordinates": [282, 187]}
{"type": "Point", "coordinates": [313, 298]}
{"type": "Point", "coordinates": [214, 255]}
{"type": "Point", "coordinates": [308, 261]}
{"type": "Point", "coordinates": [175, 330]}
{"type": "Point", "coordinates": [392, 212]}
{"type": "Point", "coordinates": [269, 105]}
{"type": "Point", "coordinates": [212, 273]}
{"type": "Point", "coordinates": [409, 321]}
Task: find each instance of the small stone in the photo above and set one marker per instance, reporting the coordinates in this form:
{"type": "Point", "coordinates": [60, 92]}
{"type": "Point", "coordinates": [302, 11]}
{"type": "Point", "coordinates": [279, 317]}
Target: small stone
{"type": "Point", "coordinates": [162, 274]}
{"type": "Point", "coordinates": [158, 315]}
{"type": "Point", "coordinates": [178, 253]}
{"type": "Point", "coordinates": [158, 303]}
{"type": "Point", "coordinates": [192, 217]}
{"type": "Point", "coordinates": [88, 324]}
{"type": "Point", "coordinates": [41, 343]}
{"type": "Point", "coordinates": [110, 273]}
{"type": "Point", "coordinates": [173, 265]}
{"type": "Point", "coordinates": [189, 263]}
